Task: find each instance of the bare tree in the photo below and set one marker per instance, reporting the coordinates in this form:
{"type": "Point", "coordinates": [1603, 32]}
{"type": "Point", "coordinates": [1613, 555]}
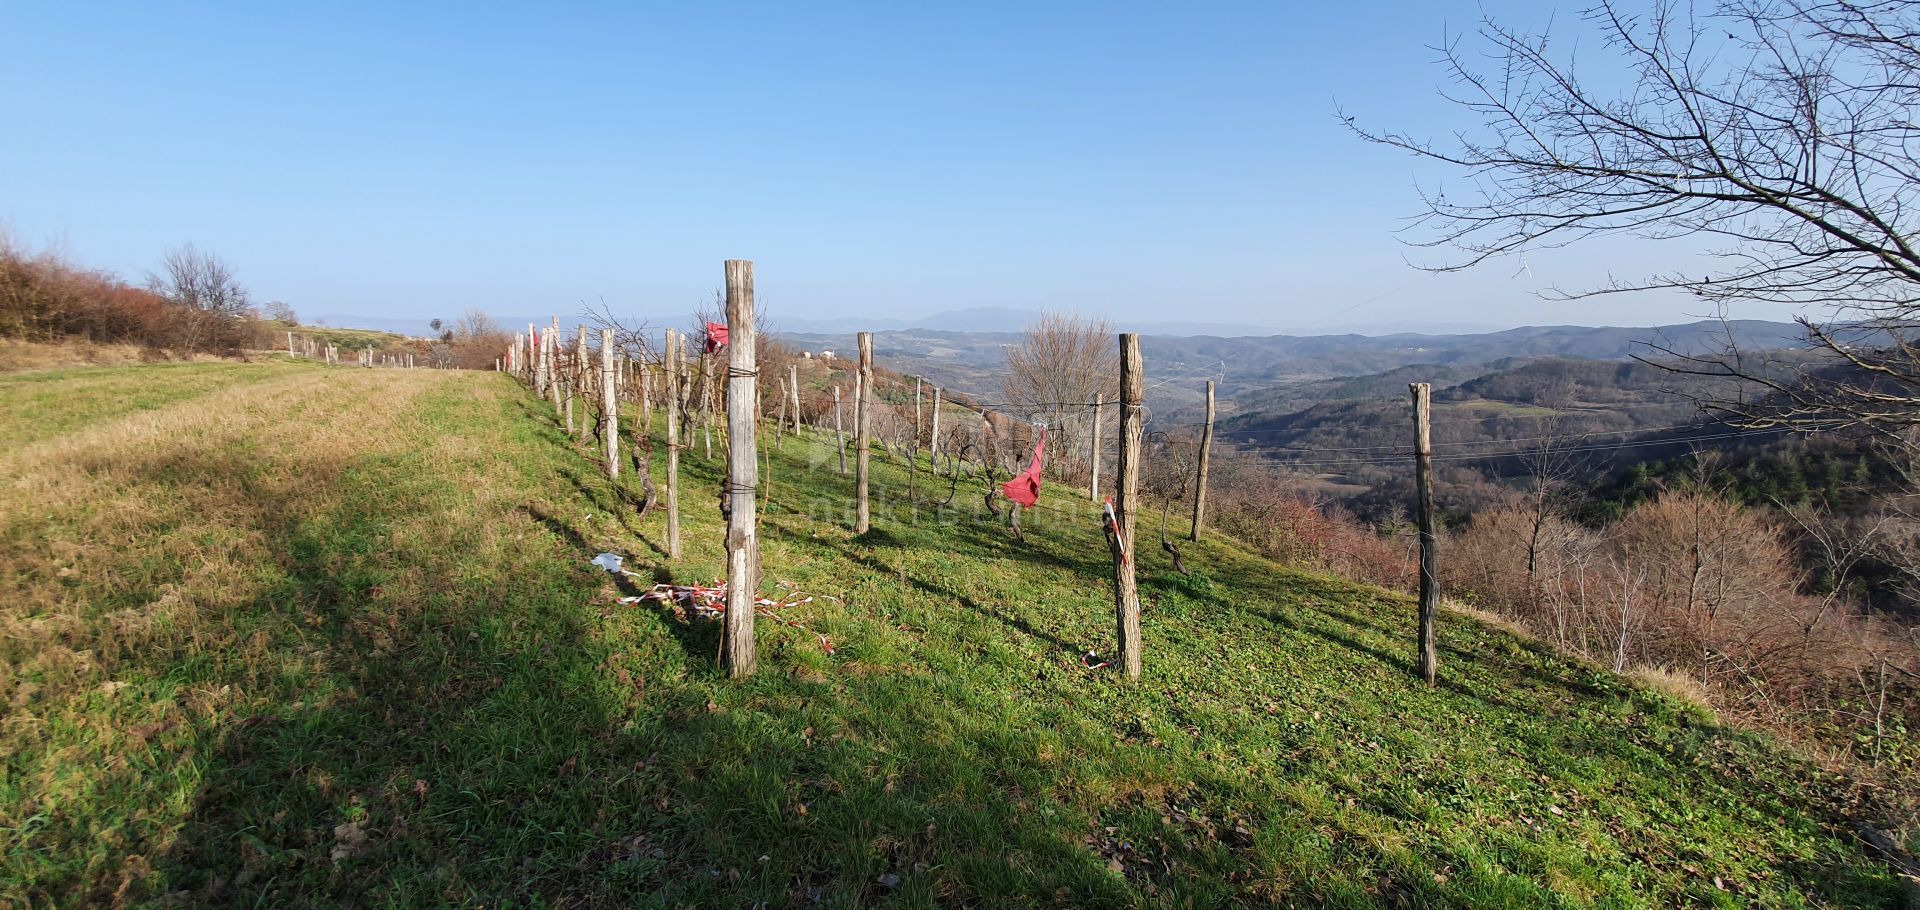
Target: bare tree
{"type": "Point", "coordinates": [1053, 374]}
{"type": "Point", "coordinates": [476, 339]}
{"type": "Point", "coordinates": [1780, 129]}
{"type": "Point", "coordinates": [282, 312]}
{"type": "Point", "coordinates": [210, 306]}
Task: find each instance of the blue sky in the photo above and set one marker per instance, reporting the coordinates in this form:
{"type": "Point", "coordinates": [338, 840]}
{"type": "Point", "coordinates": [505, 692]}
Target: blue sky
{"type": "Point", "coordinates": [1144, 161]}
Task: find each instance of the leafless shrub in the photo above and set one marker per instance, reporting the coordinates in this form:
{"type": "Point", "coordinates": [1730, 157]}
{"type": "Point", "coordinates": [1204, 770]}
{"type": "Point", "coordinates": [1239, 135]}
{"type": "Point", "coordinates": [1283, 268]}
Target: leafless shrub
{"type": "Point", "coordinates": [210, 308]}
{"type": "Point", "coordinates": [1053, 374]}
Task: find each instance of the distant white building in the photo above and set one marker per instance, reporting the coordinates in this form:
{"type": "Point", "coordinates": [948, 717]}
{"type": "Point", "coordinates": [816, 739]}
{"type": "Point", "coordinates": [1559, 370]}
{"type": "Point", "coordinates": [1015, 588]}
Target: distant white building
{"type": "Point", "coordinates": [826, 355]}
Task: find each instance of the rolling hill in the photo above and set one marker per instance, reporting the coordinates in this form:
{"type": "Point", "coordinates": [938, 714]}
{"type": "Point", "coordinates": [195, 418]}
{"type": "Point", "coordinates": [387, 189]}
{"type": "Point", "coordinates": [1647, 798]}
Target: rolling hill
{"type": "Point", "coordinates": [288, 635]}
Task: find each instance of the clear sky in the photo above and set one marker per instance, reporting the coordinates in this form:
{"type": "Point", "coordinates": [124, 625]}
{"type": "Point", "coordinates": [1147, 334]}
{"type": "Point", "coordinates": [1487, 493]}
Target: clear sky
{"type": "Point", "coordinates": [1145, 161]}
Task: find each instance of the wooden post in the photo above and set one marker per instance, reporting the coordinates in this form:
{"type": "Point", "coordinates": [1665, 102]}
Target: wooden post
{"type": "Point", "coordinates": [793, 389]}
{"type": "Point", "coordinates": [1126, 596]}
{"type": "Point", "coordinates": [1200, 477]}
{"type": "Point", "coordinates": [537, 367]}
{"type": "Point", "coordinates": [780, 415]}
{"type": "Point", "coordinates": [609, 403]}
{"type": "Point", "coordinates": [672, 372]}
{"type": "Point", "coordinates": [584, 384]}
{"type": "Point", "coordinates": [553, 365]}
{"type": "Point", "coordinates": [916, 409]}
{"type": "Point", "coordinates": [933, 437]}
{"type": "Point", "coordinates": [839, 435]}
{"type": "Point", "coordinates": [646, 397]}
{"type": "Point", "coordinates": [862, 404]}
{"type": "Point", "coordinates": [1094, 455]}
{"type": "Point", "coordinates": [1429, 558]}
{"type": "Point", "coordinates": [706, 401]}
{"type": "Point", "coordinates": [572, 361]}
{"type": "Point", "coordinates": [737, 656]}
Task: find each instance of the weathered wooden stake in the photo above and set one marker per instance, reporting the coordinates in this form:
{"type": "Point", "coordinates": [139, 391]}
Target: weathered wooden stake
{"type": "Point", "coordinates": [571, 360]}
{"type": "Point", "coordinates": [1094, 455]}
{"type": "Point", "coordinates": [706, 401]}
{"type": "Point", "coordinates": [646, 397]}
{"type": "Point", "coordinates": [584, 382]}
{"type": "Point", "coordinates": [933, 438]}
{"type": "Point", "coordinates": [1429, 558]}
{"type": "Point", "coordinates": [609, 403]}
{"type": "Point", "coordinates": [1126, 596]}
{"type": "Point", "coordinates": [672, 395]}
{"type": "Point", "coordinates": [863, 393]}
{"type": "Point", "coordinates": [780, 414]}
{"type": "Point", "coordinates": [793, 389]}
{"type": "Point", "coordinates": [839, 435]}
{"type": "Point", "coordinates": [1200, 474]}
{"type": "Point", "coordinates": [537, 369]}
{"type": "Point", "coordinates": [737, 656]}
{"type": "Point", "coordinates": [553, 365]}
{"type": "Point", "coordinates": [916, 409]}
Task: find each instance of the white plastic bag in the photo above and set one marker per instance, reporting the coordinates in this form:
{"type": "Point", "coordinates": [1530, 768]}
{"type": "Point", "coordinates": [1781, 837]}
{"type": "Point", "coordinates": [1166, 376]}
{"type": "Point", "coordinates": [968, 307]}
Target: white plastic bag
{"type": "Point", "coordinates": [610, 562]}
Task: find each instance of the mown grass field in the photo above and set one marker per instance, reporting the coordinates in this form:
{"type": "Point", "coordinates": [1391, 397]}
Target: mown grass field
{"type": "Point", "coordinates": [283, 635]}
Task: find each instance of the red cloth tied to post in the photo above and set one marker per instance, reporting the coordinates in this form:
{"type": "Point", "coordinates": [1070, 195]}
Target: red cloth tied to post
{"type": "Point", "coordinates": [716, 337]}
{"type": "Point", "coordinates": [1025, 489]}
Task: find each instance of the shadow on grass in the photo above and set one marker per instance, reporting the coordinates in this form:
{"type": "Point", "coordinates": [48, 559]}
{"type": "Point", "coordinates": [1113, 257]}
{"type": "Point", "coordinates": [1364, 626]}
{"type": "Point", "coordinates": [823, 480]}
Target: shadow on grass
{"type": "Point", "coordinates": [472, 730]}
{"type": "Point", "coordinates": [475, 739]}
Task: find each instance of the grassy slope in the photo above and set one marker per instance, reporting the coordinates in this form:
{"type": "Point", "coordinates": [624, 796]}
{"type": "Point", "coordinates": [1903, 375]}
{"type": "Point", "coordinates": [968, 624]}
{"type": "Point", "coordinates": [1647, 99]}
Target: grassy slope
{"type": "Point", "coordinates": [309, 637]}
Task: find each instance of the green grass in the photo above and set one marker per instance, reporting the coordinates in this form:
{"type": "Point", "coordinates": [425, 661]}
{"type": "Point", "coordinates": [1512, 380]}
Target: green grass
{"type": "Point", "coordinates": [39, 405]}
{"type": "Point", "coordinates": [345, 339]}
{"type": "Point", "coordinates": [337, 642]}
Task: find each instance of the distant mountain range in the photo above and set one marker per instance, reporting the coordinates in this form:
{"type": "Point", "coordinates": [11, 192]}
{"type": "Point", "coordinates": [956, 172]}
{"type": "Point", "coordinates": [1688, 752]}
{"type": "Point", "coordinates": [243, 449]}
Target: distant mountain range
{"type": "Point", "coordinates": [975, 319]}
{"type": "Point", "coordinates": [1240, 358]}
{"type": "Point", "coordinates": [1177, 366]}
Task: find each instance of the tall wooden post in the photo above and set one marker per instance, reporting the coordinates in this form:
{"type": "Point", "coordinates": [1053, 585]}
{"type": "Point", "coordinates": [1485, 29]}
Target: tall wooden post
{"type": "Point", "coordinates": [737, 656]}
{"type": "Point", "coordinates": [537, 367]}
{"type": "Point", "coordinates": [1126, 596]}
{"type": "Point", "coordinates": [609, 413]}
{"type": "Point", "coordinates": [793, 390]}
{"type": "Point", "coordinates": [1093, 456]}
{"type": "Point", "coordinates": [584, 383]}
{"type": "Point", "coordinates": [916, 409]}
{"type": "Point", "coordinates": [571, 360]}
{"type": "Point", "coordinates": [672, 372]}
{"type": "Point", "coordinates": [706, 401]}
{"type": "Point", "coordinates": [646, 397]}
{"type": "Point", "coordinates": [933, 438]}
{"type": "Point", "coordinates": [553, 365]}
{"type": "Point", "coordinates": [780, 414]}
{"type": "Point", "coordinates": [1429, 558]}
{"type": "Point", "coordinates": [862, 419]}
{"type": "Point", "coordinates": [839, 434]}
{"type": "Point", "coordinates": [1200, 476]}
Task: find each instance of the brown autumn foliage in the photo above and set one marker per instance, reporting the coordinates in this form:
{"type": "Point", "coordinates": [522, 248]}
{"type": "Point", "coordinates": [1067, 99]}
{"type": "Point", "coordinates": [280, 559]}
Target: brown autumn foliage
{"type": "Point", "coordinates": [1700, 586]}
{"type": "Point", "coordinates": [193, 305]}
{"type": "Point", "coordinates": [1290, 523]}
